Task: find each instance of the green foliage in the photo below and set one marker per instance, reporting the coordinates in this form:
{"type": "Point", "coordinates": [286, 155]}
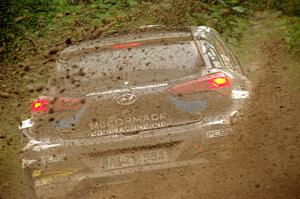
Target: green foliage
{"type": "Point", "coordinates": [41, 18]}
{"type": "Point", "coordinates": [19, 17]}
{"type": "Point", "coordinates": [7, 21]}
{"type": "Point", "coordinates": [292, 34]}
{"type": "Point", "coordinates": [290, 7]}
{"type": "Point", "coordinates": [37, 6]}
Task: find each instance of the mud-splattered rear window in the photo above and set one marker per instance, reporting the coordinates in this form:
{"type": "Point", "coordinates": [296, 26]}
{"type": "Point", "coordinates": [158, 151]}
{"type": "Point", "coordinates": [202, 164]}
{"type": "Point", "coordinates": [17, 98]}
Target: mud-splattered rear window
{"type": "Point", "coordinates": [149, 63]}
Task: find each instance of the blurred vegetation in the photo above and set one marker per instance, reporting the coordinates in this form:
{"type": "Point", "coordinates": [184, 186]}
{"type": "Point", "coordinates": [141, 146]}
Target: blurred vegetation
{"type": "Point", "coordinates": [26, 22]}
{"type": "Point", "coordinates": [290, 8]}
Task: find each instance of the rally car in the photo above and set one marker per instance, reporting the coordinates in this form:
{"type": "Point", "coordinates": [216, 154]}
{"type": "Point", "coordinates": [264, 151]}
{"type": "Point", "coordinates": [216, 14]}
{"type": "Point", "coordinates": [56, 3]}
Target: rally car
{"type": "Point", "coordinates": [150, 99]}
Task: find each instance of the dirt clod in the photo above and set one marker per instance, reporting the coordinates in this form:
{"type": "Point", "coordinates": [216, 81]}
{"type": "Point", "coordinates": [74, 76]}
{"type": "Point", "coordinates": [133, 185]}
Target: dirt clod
{"type": "Point", "coordinates": [4, 94]}
{"type": "Point", "coordinates": [69, 41]}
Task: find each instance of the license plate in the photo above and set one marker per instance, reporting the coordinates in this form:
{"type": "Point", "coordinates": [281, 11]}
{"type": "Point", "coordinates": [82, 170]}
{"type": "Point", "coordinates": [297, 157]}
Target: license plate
{"type": "Point", "coordinates": [135, 159]}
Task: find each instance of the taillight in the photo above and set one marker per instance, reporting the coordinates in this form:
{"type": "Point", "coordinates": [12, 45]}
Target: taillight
{"type": "Point", "coordinates": [40, 105]}
{"type": "Point", "coordinates": [56, 104]}
{"type": "Point", "coordinates": [205, 83]}
{"type": "Point", "coordinates": [127, 45]}
{"type": "Point", "coordinates": [218, 80]}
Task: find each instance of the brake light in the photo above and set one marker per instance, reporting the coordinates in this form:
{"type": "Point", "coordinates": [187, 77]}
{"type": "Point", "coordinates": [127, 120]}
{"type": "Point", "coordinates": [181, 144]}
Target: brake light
{"type": "Point", "coordinates": [126, 45]}
{"type": "Point", "coordinates": [204, 83]}
{"type": "Point", "coordinates": [219, 80]}
{"type": "Point", "coordinates": [56, 104]}
{"type": "Point", "coordinates": [40, 105]}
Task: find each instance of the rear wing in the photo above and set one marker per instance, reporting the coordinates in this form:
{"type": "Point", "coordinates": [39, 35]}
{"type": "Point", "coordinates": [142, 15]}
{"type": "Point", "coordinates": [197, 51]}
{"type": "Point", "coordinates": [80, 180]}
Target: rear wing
{"type": "Point", "coordinates": [214, 49]}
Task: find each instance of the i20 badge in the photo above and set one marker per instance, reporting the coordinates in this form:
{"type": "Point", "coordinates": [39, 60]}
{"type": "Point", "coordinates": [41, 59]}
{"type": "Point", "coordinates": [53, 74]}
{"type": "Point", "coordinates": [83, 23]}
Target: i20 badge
{"type": "Point", "coordinates": [126, 99]}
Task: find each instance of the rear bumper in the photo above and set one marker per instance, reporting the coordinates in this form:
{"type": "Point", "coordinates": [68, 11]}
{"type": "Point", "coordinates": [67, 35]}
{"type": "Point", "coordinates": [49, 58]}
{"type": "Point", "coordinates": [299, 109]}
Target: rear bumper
{"type": "Point", "coordinates": [61, 167]}
{"type": "Point", "coordinates": [68, 186]}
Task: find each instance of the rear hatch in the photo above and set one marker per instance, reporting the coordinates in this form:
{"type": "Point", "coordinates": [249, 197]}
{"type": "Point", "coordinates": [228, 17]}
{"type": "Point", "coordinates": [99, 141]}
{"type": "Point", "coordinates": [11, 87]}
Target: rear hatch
{"type": "Point", "coordinates": [124, 88]}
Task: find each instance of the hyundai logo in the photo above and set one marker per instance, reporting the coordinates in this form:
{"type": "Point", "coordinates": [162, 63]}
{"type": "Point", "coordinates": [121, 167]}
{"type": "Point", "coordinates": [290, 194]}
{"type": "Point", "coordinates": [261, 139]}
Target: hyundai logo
{"type": "Point", "coordinates": [126, 99]}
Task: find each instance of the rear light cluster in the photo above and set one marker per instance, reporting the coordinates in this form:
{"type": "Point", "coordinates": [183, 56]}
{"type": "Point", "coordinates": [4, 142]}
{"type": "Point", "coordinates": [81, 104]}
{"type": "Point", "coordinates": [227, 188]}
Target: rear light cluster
{"type": "Point", "coordinates": [204, 83]}
{"type": "Point", "coordinates": [57, 104]}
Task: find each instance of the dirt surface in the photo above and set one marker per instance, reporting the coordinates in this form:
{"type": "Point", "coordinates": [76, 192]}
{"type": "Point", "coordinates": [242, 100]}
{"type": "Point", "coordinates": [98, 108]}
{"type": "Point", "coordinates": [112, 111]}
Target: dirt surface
{"type": "Point", "coordinates": [265, 162]}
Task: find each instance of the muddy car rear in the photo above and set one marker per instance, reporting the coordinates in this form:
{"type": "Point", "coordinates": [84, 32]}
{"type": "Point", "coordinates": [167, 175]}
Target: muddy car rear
{"type": "Point", "coordinates": [141, 102]}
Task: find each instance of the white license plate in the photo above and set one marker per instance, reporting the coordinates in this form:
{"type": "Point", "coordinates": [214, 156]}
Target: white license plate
{"type": "Point", "coordinates": [135, 159]}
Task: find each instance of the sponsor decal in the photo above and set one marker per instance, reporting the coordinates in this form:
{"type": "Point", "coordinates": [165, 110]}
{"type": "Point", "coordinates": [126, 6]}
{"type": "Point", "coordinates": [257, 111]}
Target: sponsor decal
{"type": "Point", "coordinates": [129, 124]}
{"type": "Point", "coordinates": [26, 124]}
{"type": "Point", "coordinates": [218, 133]}
{"type": "Point", "coordinates": [239, 94]}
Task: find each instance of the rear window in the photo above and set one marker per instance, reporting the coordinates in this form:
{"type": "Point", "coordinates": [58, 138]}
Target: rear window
{"type": "Point", "coordinates": [135, 65]}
